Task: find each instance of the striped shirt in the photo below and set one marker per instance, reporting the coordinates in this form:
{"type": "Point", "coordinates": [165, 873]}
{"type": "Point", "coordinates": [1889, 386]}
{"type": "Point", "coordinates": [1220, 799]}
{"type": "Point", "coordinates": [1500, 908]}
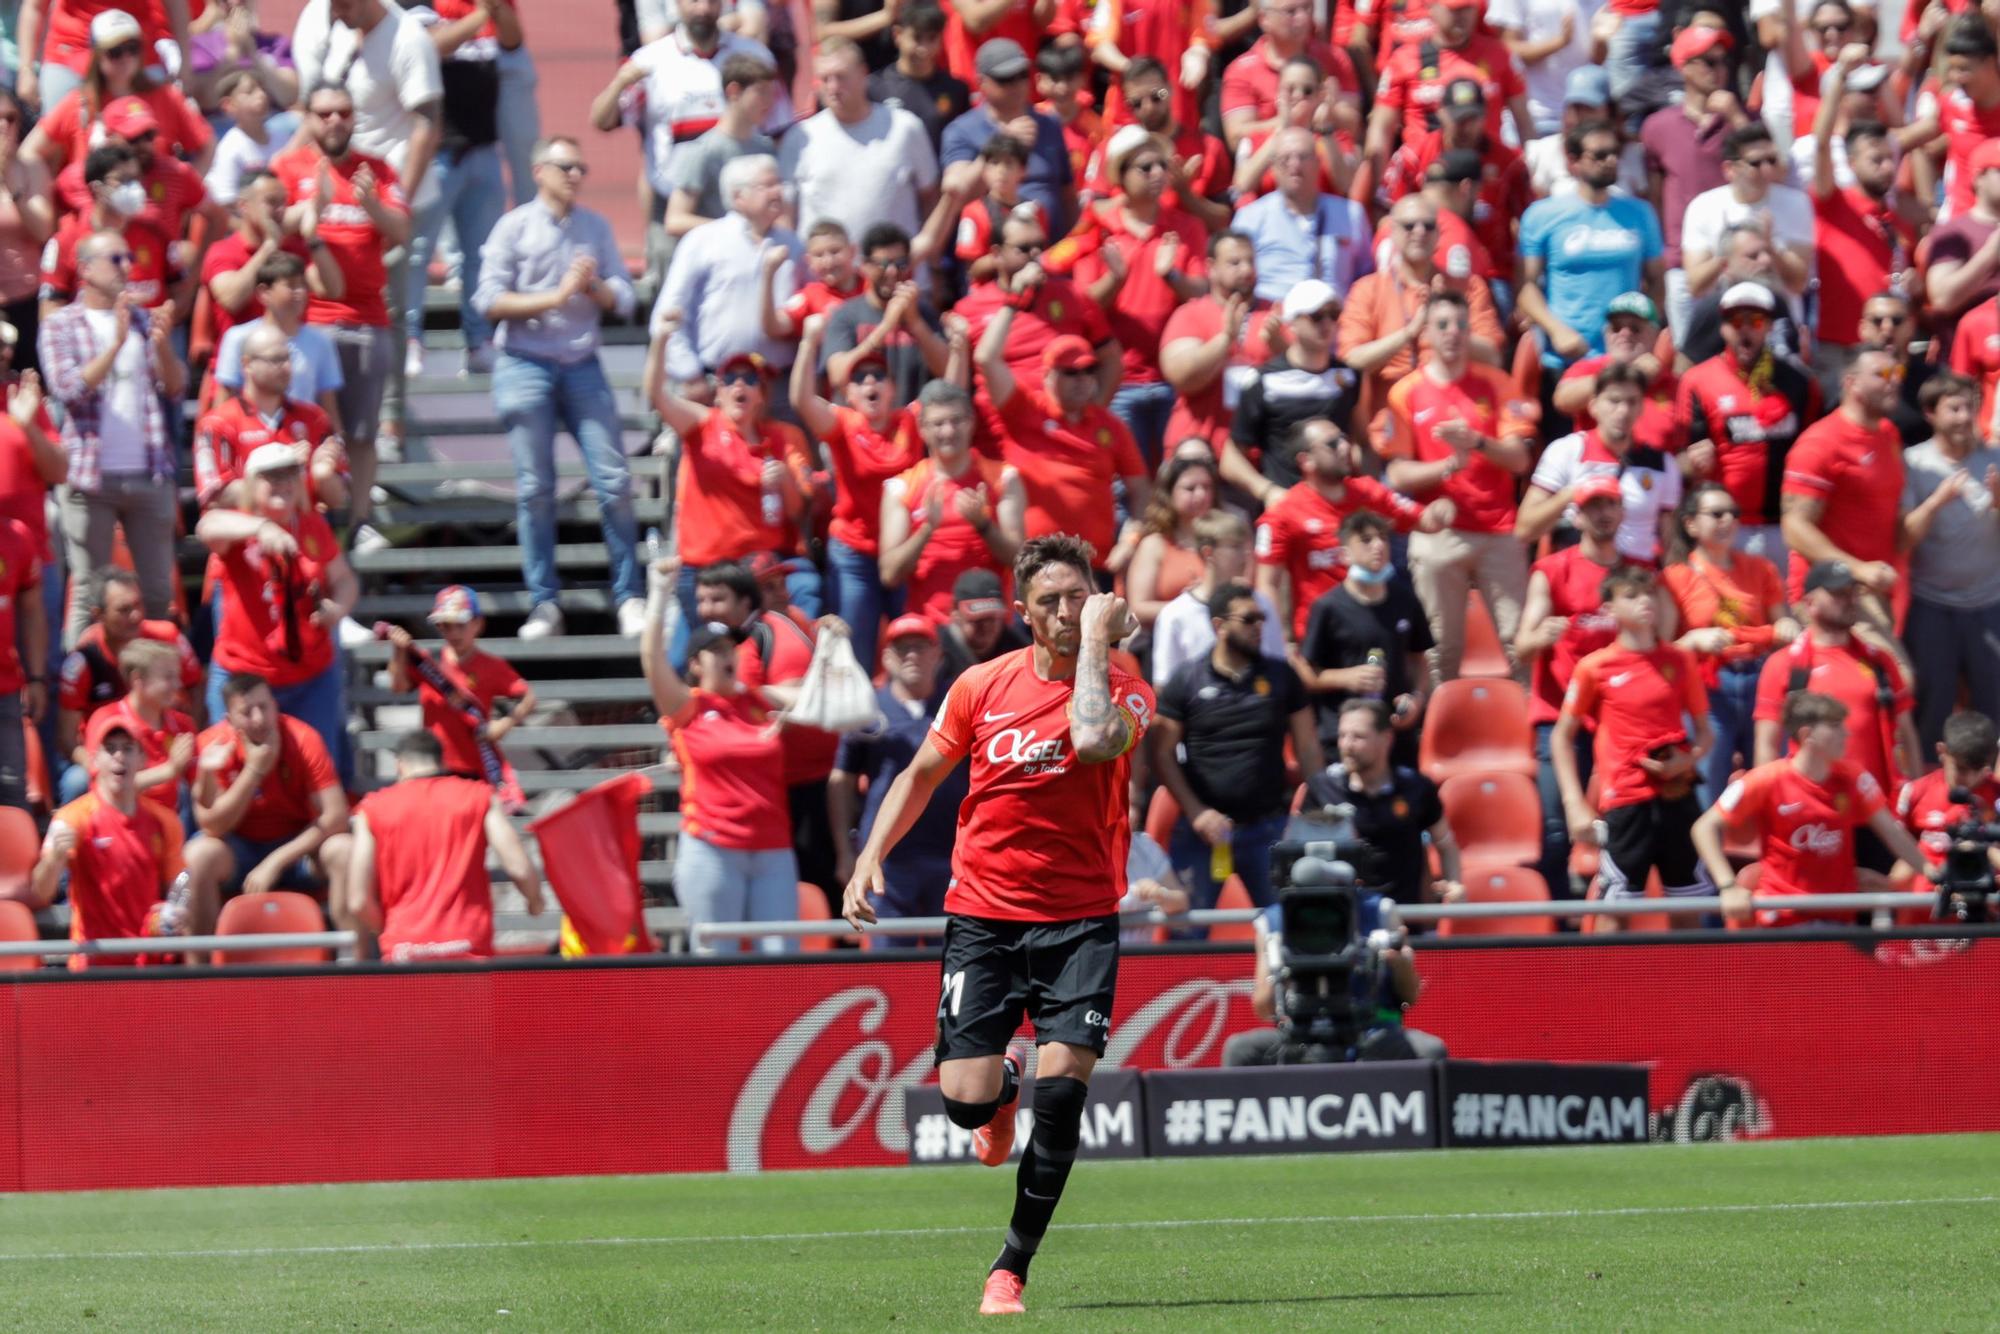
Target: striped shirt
{"type": "Point", "coordinates": [67, 345]}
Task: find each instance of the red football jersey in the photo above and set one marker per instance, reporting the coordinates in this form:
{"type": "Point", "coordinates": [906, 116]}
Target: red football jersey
{"type": "Point", "coordinates": [1636, 700]}
{"type": "Point", "coordinates": [122, 866]}
{"type": "Point", "coordinates": [1301, 533]}
{"type": "Point", "coordinates": [1417, 91]}
{"type": "Point", "coordinates": [155, 742]}
{"type": "Point", "coordinates": [20, 578]}
{"type": "Point", "coordinates": [487, 678]}
{"type": "Point", "coordinates": [1928, 812]}
{"type": "Point", "coordinates": [1857, 473]}
{"type": "Point", "coordinates": [350, 234]}
{"type": "Point", "coordinates": [282, 806]}
{"type": "Point", "coordinates": [1807, 827]}
{"type": "Point", "coordinates": [732, 783]}
{"type": "Point", "coordinates": [955, 545]}
{"type": "Point", "coordinates": [816, 298]}
{"type": "Point", "coordinates": [863, 459]}
{"type": "Point", "coordinates": [430, 868]}
{"type": "Point", "coordinates": [1846, 672]}
{"type": "Point", "coordinates": [1483, 398]}
{"type": "Point", "coordinates": [226, 435]}
{"type": "Point", "coordinates": [1657, 427]}
{"type": "Point", "coordinates": [268, 605]}
{"type": "Point", "coordinates": [1041, 838]}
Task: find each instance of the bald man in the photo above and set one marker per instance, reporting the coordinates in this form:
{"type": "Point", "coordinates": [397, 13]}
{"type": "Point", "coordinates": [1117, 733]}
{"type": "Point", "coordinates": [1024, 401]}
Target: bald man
{"type": "Point", "coordinates": [262, 412]}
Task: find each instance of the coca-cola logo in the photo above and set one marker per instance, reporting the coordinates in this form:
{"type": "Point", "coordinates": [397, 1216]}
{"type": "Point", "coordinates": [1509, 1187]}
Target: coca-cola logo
{"type": "Point", "coordinates": [860, 1085]}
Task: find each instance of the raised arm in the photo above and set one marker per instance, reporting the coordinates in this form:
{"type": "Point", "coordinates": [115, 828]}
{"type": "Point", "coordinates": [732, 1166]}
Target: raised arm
{"type": "Point", "coordinates": [1098, 728]}
{"type": "Point", "coordinates": [815, 413]}
{"type": "Point", "coordinates": [670, 693]}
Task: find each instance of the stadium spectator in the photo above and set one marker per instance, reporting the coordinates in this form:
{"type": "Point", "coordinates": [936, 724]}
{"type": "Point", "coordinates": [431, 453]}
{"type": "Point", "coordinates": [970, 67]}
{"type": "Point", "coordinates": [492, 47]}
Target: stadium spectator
{"type": "Point", "coordinates": [1830, 659]}
{"type": "Point", "coordinates": [24, 655]}
{"type": "Point", "coordinates": [1382, 326]}
{"type": "Point", "coordinates": [1649, 480]}
{"type": "Point", "coordinates": [749, 88]}
{"type": "Point", "coordinates": [980, 628]}
{"type": "Point", "coordinates": [1582, 250]}
{"type": "Point", "coordinates": [27, 221]}
{"type": "Point", "coordinates": [247, 146]}
{"type": "Point", "coordinates": [1303, 381]}
{"type": "Point", "coordinates": [1046, 307]}
{"type": "Point", "coordinates": [363, 213]}
{"type": "Point", "coordinates": [1966, 753]}
{"type": "Point", "coordinates": [1754, 167]}
{"type": "Point", "coordinates": [1586, 97]}
{"type": "Point", "coordinates": [1457, 431]}
{"type": "Point", "coordinates": [1683, 143]}
{"type": "Point", "coordinates": [916, 873]}
{"type": "Point", "coordinates": [1062, 79]}
{"type": "Point", "coordinates": [1554, 41]}
{"type": "Point", "coordinates": [1252, 84]}
{"type": "Point", "coordinates": [230, 268]}
{"type": "Point", "coordinates": [967, 35]}
{"type": "Point", "coordinates": [1395, 810]}
{"type": "Point", "coordinates": [467, 168]}
{"type": "Point", "coordinates": [1746, 258]}
{"type": "Point", "coordinates": [1298, 538]}
{"type": "Point", "coordinates": [116, 76]}
{"type": "Point", "coordinates": [978, 197]}
{"type": "Point", "coordinates": [120, 852]}
{"type": "Point", "coordinates": [733, 856]}
{"type": "Point", "coordinates": [950, 514]}
{"type": "Point", "coordinates": [869, 439]}
{"type": "Point", "coordinates": [1631, 338]}
{"type": "Point", "coordinates": [1306, 100]}
{"type": "Point", "coordinates": [111, 178]}
{"type": "Point", "coordinates": [1479, 181]}
{"type": "Point", "coordinates": [1563, 622]}
{"type": "Point", "coordinates": [1302, 231]}
{"type": "Point", "coordinates": [1366, 638]}
{"type": "Point", "coordinates": [92, 678]}
{"type": "Point", "coordinates": [1003, 107]}
{"type": "Point", "coordinates": [1962, 272]}
{"type": "Point", "coordinates": [419, 880]}
{"type": "Point", "coordinates": [1729, 609]}
{"type": "Point", "coordinates": [282, 291]}
{"type": "Point", "coordinates": [76, 31]}
{"type": "Point", "coordinates": [1951, 496]}
{"type": "Point", "coordinates": [552, 272]}
{"type": "Point", "coordinates": [473, 673]}
{"type": "Point", "coordinates": [858, 161]}
{"type": "Point", "coordinates": [166, 735]}
{"type": "Point", "coordinates": [1139, 258]}
{"type": "Point", "coordinates": [1067, 449]}
{"type": "Point", "coordinates": [1198, 168]}
{"type": "Point", "coordinates": [1748, 405]}
{"type": "Point", "coordinates": [260, 413]}
{"type": "Point", "coordinates": [1966, 117]}
{"type": "Point", "coordinates": [1231, 714]}
{"type": "Point", "coordinates": [1168, 557]}
{"type": "Point", "coordinates": [1812, 814]}
{"type": "Point", "coordinates": [1642, 698]}
{"type": "Point", "coordinates": [714, 280]}
{"type": "Point", "coordinates": [1844, 486]}
{"type": "Point", "coordinates": [917, 82]}
{"type": "Point", "coordinates": [888, 324]}
{"type": "Point", "coordinates": [111, 365]}
{"type": "Point", "coordinates": [1414, 79]}
{"type": "Point", "coordinates": [1184, 630]}
{"type": "Point", "coordinates": [285, 589]}
{"type": "Point", "coordinates": [236, 48]}
{"type": "Point", "coordinates": [271, 811]}
{"type": "Point", "coordinates": [1209, 344]}
{"type": "Point", "coordinates": [835, 279]}
{"type": "Point", "coordinates": [32, 462]}
{"type": "Point", "coordinates": [389, 65]}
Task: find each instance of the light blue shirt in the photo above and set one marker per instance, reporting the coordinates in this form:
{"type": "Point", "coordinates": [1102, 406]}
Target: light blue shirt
{"type": "Point", "coordinates": [315, 364]}
{"type": "Point", "coordinates": [1590, 254]}
{"type": "Point", "coordinates": [712, 281]}
{"type": "Point", "coordinates": [1332, 243]}
{"type": "Point", "coordinates": [529, 250]}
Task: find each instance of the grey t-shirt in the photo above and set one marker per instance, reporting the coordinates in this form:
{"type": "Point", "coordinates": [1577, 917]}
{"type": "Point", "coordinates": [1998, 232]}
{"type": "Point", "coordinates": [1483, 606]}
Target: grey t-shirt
{"type": "Point", "coordinates": [1958, 562]}
{"type": "Point", "coordinates": [698, 167]}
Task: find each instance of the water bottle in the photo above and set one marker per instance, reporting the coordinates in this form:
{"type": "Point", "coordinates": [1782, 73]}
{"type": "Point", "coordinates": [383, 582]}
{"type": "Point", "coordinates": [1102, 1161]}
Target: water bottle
{"type": "Point", "coordinates": [774, 507]}
{"type": "Point", "coordinates": [1221, 862]}
{"type": "Point", "coordinates": [170, 918]}
{"type": "Point", "coordinates": [1377, 658]}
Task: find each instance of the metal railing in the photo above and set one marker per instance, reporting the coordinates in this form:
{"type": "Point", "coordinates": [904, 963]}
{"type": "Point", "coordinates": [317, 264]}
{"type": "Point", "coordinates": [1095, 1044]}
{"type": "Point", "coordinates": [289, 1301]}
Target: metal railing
{"type": "Point", "coordinates": [122, 946]}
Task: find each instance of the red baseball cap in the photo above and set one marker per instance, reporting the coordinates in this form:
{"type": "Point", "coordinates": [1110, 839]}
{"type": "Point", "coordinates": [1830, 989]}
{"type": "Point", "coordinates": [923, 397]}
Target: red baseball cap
{"type": "Point", "coordinates": [769, 564]}
{"type": "Point", "coordinates": [910, 624]}
{"type": "Point", "coordinates": [1597, 486]}
{"type": "Point", "coordinates": [128, 118]}
{"type": "Point", "coordinates": [1698, 41]}
{"type": "Point", "coordinates": [101, 725]}
{"type": "Point", "coordinates": [1070, 353]}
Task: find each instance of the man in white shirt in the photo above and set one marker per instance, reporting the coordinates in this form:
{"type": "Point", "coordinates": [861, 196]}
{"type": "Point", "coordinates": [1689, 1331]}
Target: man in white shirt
{"type": "Point", "coordinates": [1185, 629]}
{"type": "Point", "coordinates": [1551, 39]}
{"type": "Point", "coordinates": [1754, 165]}
{"type": "Point", "coordinates": [386, 60]}
{"type": "Point", "coordinates": [858, 162]}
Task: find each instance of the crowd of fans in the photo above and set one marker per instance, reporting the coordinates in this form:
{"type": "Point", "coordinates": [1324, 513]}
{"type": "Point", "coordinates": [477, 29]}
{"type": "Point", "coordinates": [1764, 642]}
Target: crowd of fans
{"type": "Point", "coordinates": [1642, 353]}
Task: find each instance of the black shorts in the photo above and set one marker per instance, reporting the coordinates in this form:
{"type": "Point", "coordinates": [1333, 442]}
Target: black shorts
{"type": "Point", "coordinates": [1650, 836]}
{"type": "Point", "coordinates": [1059, 974]}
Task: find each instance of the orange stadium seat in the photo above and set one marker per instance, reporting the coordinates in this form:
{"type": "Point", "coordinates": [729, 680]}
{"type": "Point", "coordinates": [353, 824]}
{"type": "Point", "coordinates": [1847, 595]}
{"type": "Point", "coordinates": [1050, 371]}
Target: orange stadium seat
{"type": "Point", "coordinates": [1233, 895]}
{"type": "Point", "coordinates": [17, 924]}
{"type": "Point", "coordinates": [1162, 815]}
{"type": "Point", "coordinates": [278, 913]}
{"type": "Point", "coordinates": [1477, 727]}
{"type": "Point", "coordinates": [1487, 882]}
{"type": "Point", "coordinates": [1494, 817]}
{"type": "Point", "coordinates": [813, 908]}
{"type": "Point", "coordinates": [1484, 656]}
{"type": "Point", "coordinates": [20, 845]}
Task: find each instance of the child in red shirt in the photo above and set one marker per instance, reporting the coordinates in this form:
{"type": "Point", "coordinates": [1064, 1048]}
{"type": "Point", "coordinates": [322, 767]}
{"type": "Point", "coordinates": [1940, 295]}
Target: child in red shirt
{"type": "Point", "coordinates": [476, 675]}
{"type": "Point", "coordinates": [830, 260]}
{"type": "Point", "coordinates": [1636, 694]}
{"type": "Point", "coordinates": [166, 735]}
{"type": "Point", "coordinates": [1003, 165]}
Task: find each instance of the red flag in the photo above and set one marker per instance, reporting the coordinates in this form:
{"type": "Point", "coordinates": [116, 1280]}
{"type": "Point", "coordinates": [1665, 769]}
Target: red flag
{"type": "Point", "coordinates": [590, 849]}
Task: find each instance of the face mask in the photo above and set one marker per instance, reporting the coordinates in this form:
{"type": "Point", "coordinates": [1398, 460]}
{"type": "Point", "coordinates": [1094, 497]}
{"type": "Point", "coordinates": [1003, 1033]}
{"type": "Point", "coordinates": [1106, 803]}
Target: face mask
{"type": "Point", "coordinates": [127, 198]}
{"type": "Point", "coordinates": [1367, 576]}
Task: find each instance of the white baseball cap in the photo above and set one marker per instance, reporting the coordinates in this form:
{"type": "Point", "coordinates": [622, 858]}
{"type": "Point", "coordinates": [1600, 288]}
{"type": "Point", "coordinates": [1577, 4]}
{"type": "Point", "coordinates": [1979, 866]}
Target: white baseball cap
{"type": "Point", "coordinates": [112, 26]}
{"type": "Point", "coordinates": [1307, 297]}
{"type": "Point", "coordinates": [274, 457]}
{"type": "Point", "coordinates": [1754, 296]}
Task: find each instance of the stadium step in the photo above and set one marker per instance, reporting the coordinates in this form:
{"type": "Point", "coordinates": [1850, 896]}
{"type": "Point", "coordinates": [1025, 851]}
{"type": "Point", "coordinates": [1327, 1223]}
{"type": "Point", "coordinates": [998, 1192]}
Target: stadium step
{"type": "Point", "coordinates": [392, 475]}
{"type": "Point", "coordinates": [436, 560]}
{"type": "Point", "coordinates": [562, 648]}
{"type": "Point", "coordinates": [603, 736]}
{"type": "Point", "coordinates": [580, 507]}
{"type": "Point", "coordinates": [493, 602]}
{"type": "Point", "coordinates": [602, 690]}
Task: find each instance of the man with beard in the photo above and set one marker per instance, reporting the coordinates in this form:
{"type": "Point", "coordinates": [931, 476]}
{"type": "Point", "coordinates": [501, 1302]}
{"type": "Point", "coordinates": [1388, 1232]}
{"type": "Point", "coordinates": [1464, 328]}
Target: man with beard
{"type": "Point", "coordinates": [889, 323]}
{"type": "Point", "coordinates": [980, 628]}
{"type": "Point", "coordinates": [1750, 405]}
{"type": "Point", "coordinates": [1211, 343]}
{"type": "Point", "coordinates": [1046, 308]}
{"type": "Point", "coordinates": [1844, 488]}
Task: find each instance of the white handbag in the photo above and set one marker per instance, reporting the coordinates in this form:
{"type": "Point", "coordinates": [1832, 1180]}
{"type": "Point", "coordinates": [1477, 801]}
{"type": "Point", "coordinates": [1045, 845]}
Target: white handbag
{"type": "Point", "coordinates": [836, 695]}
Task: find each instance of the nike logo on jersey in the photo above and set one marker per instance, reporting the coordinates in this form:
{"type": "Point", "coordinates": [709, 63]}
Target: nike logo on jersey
{"type": "Point", "coordinates": [992, 717]}
{"type": "Point", "coordinates": [1790, 807]}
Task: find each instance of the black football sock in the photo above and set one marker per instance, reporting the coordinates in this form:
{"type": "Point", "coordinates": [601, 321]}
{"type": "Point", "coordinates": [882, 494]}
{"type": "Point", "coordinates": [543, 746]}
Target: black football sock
{"type": "Point", "coordinates": [1045, 1165]}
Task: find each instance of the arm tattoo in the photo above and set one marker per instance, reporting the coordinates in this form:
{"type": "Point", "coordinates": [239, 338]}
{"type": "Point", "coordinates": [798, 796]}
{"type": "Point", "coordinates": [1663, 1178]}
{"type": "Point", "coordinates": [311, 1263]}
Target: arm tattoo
{"type": "Point", "coordinates": [1104, 731]}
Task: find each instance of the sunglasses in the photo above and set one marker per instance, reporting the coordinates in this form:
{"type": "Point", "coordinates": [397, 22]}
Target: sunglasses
{"type": "Point", "coordinates": [1247, 618]}
{"type": "Point", "coordinates": [896, 265]}
{"type": "Point", "coordinates": [1747, 319]}
{"type": "Point", "coordinates": [569, 168]}
{"type": "Point", "coordinates": [1884, 319]}
{"type": "Point", "coordinates": [1327, 316]}
{"type": "Point", "coordinates": [120, 261]}
{"type": "Point", "coordinates": [870, 374]}
{"type": "Point", "coordinates": [1600, 154]}
{"type": "Point", "coordinates": [1417, 225]}
{"type": "Point", "coordinates": [122, 51]}
{"type": "Point", "coordinates": [742, 376]}
{"type": "Point", "coordinates": [1730, 513]}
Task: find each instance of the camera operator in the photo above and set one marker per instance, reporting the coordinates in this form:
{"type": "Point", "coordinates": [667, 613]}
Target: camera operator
{"type": "Point", "coordinates": [1390, 991]}
{"type": "Point", "coordinates": [1928, 806]}
{"type": "Point", "coordinates": [1393, 808]}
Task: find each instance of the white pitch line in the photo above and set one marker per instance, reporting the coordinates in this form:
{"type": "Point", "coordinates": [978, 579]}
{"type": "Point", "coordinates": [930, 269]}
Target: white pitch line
{"type": "Point", "coordinates": [1517, 1215]}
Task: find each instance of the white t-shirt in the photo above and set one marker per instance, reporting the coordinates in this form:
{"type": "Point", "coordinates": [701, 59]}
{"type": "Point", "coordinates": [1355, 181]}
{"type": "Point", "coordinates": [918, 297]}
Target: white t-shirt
{"type": "Point", "coordinates": [1538, 20]}
{"type": "Point", "coordinates": [1184, 631]}
{"type": "Point", "coordinates": [680, 98]}
{"type": "Point", "coordinates": [236, 156]}
{"type": "Point", "coordinates": [1650, 483]}
{"type": "Point", "coordinates": [121, 424]}
{"type": "Point", "coordinates": [391, 72]}
{"type": "Point", "coordinates": [1802, 163]}
{"type": "Point", "coordinates": [859, 174]}
{"type": "Point", "coordinates": [1710, 215]}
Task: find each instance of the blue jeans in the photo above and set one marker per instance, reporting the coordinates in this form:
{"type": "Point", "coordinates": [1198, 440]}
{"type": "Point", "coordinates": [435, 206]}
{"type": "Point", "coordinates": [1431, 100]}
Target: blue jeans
{"type": "Point", "coordinates": [320, 703]}
{"type": "Point", "coordinates": [859, 598]}
{"type": "Point", "coordinates": [1555, 824]}
{"type": "Point", "coordinates": [732, 885]}
{"type": "Point", "coordinates": [1145, 408]}
{"type": "Point", "coordinates": [1634, 52]}
{"type": "Point", "coordinates": [533, 397]}
{"type": "Point", "coordinates": [1730, 706]}
{"type": "Point", "coordinates": [471, 192]}
{"type": "Point", "coordinates": [1249, 847]}
{"type": "Point", "coordinates": [520, 122]}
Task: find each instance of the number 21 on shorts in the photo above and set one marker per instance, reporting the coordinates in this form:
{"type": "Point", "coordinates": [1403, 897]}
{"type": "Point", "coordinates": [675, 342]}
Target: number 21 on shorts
{"type": "Point", "coordinates": [951, 993]}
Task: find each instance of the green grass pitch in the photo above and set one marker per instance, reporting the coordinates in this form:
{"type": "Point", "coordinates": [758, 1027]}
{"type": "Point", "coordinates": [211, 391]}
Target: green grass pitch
{"type": "Point", "coordinates": [1877, 1234]}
